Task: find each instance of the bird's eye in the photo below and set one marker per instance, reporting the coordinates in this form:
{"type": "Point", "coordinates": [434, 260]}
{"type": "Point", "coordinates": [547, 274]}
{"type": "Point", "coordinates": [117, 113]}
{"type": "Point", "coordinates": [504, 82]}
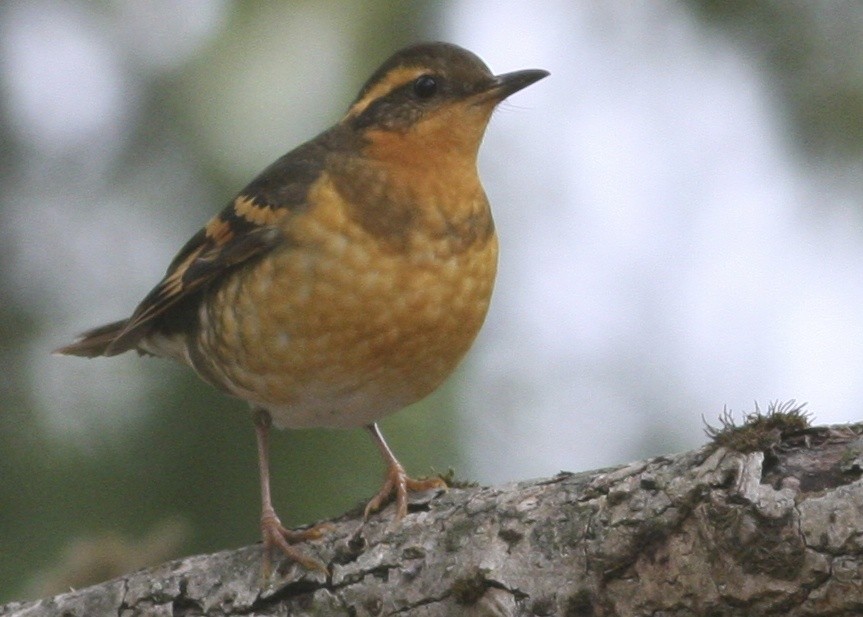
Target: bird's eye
{"type": "Point", "coordinates": [425, 86]}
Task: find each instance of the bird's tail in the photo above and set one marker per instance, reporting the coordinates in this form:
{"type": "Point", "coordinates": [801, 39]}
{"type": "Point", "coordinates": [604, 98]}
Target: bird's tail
{"type": "Point", "coordinates": [97, 342]}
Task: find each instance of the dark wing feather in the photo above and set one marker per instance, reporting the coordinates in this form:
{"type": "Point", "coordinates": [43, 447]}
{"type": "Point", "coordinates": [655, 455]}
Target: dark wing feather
{"type": "Point", "coordinates": [225, 242]}
{"type": "Point", "coordinates": [247, 229]}
{"type": "Point", "coordinates": [95, 342]}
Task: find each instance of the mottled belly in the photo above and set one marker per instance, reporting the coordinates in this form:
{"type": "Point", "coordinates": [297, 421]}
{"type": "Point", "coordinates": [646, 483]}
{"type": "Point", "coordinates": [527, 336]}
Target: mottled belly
{"type": "Point", "coordinates": [343, 331]}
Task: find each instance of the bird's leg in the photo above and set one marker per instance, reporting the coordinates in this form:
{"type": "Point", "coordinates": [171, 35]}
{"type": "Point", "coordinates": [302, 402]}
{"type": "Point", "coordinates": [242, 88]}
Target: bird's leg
{"type": "Point", "coordinates": [397, 481]}
{"type": "Point", "coordinates": [274, 534]}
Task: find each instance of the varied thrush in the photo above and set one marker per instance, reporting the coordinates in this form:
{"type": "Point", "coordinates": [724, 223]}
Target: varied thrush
{"type": "Point", "coordinates": [349, 278]}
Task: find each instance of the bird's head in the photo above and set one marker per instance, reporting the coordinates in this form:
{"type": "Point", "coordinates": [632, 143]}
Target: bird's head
{"type": "Point", "coordinates": [430, 99]}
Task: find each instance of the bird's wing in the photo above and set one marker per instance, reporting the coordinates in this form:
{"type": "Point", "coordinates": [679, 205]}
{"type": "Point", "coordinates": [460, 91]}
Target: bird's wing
{"type": "Point", "coordinates": [249, 227]}
{"type": "Point", "coordinates": [246, 229]}
{"type": "Point", "coordinates": [241, 232]}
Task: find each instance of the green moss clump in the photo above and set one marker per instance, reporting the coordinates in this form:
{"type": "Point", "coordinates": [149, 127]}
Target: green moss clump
{"type": "Point", "coordinates": [760, 431]}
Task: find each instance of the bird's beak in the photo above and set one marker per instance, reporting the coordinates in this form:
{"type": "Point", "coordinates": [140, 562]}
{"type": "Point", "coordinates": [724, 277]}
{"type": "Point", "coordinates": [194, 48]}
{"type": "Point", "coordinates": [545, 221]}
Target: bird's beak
{"type": "Point", "coordinates": [504, 85]}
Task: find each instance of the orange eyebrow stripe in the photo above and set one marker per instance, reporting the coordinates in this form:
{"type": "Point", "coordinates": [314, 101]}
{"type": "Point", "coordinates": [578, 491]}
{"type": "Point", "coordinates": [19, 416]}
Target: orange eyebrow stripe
{"type": "Point", "coordinates": [394, 79]}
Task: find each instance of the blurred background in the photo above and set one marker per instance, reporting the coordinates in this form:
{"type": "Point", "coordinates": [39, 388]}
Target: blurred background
{"type": "Point", "coordinates": [679, 207]}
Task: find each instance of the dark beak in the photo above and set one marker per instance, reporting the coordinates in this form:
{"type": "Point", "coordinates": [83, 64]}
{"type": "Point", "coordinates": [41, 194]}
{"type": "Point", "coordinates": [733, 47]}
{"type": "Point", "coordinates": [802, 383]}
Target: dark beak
{"type": "Point", "coordinates": [509, 83]}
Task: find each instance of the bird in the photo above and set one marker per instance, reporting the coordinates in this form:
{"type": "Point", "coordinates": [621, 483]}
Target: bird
{"type": "Point", "coordinates": [349, 278]}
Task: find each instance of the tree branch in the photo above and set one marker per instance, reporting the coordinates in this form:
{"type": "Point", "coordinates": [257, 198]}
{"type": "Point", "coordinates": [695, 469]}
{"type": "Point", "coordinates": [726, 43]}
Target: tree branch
{"type": "Point", "coordinates": [708, 532]}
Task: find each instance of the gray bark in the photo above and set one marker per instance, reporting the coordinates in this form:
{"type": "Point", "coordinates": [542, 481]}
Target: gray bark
{"type": "Point", "coordinates": [708, 532]}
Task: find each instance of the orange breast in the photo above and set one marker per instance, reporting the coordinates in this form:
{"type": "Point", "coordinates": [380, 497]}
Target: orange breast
{"type": "Point", "coordinates": [341, 325]}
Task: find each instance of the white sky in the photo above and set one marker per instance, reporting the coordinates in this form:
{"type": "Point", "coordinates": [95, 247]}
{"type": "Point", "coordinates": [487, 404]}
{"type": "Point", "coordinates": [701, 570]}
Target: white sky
{"type": "Point", "coordinates": [663, 255]}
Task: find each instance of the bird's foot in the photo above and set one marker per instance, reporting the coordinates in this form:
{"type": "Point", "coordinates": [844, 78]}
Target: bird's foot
{"type": "Point", "coordinates": [276, 536]}
{"type": "Point", "coordinates": [398, 482]}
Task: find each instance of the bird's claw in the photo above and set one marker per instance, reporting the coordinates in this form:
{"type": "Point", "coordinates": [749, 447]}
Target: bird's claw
{"type": "Point", "coordinates": [277, 536]}
{"type": "Point", "coordinates": [398, 482]}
